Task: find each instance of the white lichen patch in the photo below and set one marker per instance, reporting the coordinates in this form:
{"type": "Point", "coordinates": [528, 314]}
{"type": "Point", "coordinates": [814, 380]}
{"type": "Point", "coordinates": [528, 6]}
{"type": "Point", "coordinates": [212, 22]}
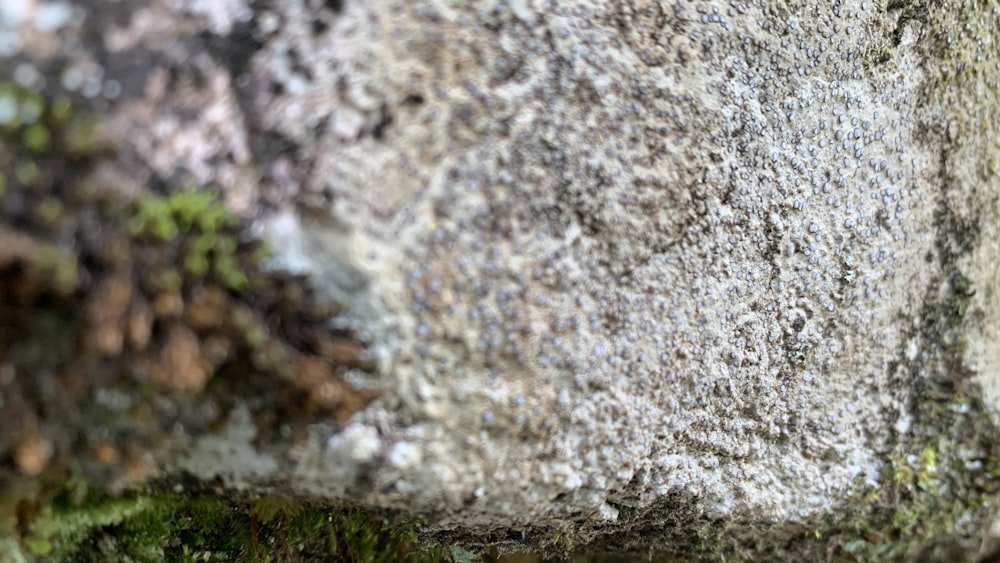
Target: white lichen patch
{"type": "Point", "coordinates": [357, 442]}
{"type": "Point", "coordinates": [221, 15]}
{"type": "Point", "coordinates": [230, 455]}
{"type": "Point", "coordinates": [616, 250]}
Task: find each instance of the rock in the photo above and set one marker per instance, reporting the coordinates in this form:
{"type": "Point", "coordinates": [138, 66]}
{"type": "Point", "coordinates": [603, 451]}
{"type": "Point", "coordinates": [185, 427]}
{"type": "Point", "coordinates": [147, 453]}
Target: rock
{"type": "Point", "coordinates": [626, 272]}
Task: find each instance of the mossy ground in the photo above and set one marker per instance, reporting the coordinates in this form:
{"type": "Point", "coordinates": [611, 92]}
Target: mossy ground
{"type": "Point", "coordinates": [189, 528]}
{"type": "Point", "coordinates": [83, 525]}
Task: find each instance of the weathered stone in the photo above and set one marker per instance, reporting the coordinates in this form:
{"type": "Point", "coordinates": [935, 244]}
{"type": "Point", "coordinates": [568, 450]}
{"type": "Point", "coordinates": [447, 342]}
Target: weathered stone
{"type": "Point", "coordinates": [613, 261]}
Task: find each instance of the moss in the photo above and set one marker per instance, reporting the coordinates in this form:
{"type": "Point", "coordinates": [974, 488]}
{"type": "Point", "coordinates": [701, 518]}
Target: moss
{"type": "Point", "coordinates": [202, 225]}
{"type": "Point", "coordinates": [559, 544]}
{"type": "Point", "coordinates": [48, 211]}
{"type": "Point", "coordinates": [928, 502]}
{"type": "Point", "coordinates": [177, 527]}
{"type": "Point", "coordinates": [27, 172]}
{"type": "Point", "coordinates": [61, 266]}
{"type": "Point", "coordinates": [36, 137]}
{"type": "Point", "coordinates": [64, 528]}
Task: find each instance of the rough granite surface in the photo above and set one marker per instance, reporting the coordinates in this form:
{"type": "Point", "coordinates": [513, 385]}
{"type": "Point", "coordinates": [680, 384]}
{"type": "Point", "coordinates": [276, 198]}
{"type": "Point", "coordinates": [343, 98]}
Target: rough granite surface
{"type": "Point", "coordinates": [602, 252]}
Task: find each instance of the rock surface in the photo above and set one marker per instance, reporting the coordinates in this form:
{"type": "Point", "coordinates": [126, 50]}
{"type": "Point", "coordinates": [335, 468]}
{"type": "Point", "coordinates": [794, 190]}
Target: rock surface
{"type": "Point", "coordinates": [612, 260]}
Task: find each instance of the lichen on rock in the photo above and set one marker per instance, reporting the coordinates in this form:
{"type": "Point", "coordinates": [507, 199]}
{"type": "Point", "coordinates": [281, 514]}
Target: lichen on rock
{"type": "Point", "coordinates": [638, 273]}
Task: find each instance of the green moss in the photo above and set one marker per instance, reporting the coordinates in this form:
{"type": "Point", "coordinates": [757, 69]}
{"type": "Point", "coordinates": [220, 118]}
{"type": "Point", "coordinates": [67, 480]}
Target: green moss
{"type": "Point", "coordinates": [915, 470]}
{"type": "Point", "coordinates": [61, 110]}
{"type": "Point", "coordinates": [167, 279]}
{"type": "Point", "coordinates": [79, 134]}
{"type": "Point", "coordinates": [62, 267]}
{"type": "Point", "coordinates": [186, 243]}
{"type": "Point", "coordinates": [174, 527]}
{"type": "Point", "coordinates": [36, 137]}
{"type": "Point", "coordinates": [201, 225]}
{"type": "Point", "coordinates": [40, 125]}
{"type": "Point", "coordinates": [48, 211]}
{"type": "Point", "coordinates": [27, 172]}
{"type": "Point", "coordinates": [929, 501]}
{"type": "Point", "coordinates": [66, 528]}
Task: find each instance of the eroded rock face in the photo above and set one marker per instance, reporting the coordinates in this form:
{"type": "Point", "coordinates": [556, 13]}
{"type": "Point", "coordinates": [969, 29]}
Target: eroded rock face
{"type": "Point", "coordinates": [603, 254]}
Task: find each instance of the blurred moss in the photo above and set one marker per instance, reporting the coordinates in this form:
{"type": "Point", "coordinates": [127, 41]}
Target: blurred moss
{"type": "Point", "coordinates": [174, 527]}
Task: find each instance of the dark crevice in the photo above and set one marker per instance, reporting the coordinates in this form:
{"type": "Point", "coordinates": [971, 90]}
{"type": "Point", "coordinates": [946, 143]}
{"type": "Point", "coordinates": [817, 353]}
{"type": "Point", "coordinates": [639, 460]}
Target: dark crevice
{"type": "Point", "coordinates": [235, 50]}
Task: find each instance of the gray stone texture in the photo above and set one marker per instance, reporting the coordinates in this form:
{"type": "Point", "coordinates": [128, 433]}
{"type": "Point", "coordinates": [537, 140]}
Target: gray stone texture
{"type": "Point", "coordinates": [603, 253]}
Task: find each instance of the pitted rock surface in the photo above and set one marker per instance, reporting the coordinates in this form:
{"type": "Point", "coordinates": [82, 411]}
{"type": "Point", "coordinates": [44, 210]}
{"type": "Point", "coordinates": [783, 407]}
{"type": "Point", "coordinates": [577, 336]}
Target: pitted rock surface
{"type": "Point", "coordinates": [617, 251]}
{"type": "Point", "coordinates": [603, 253]}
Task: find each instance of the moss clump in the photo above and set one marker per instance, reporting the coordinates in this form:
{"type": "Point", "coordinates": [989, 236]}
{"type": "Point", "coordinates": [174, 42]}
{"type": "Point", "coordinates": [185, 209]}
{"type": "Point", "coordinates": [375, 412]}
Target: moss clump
{"type": "Point", "coordinates": [175, 527]}
{"type": "Point", "coordinates": [203, 226]}
{"type": "Point", "coordinates": [933, 495]}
